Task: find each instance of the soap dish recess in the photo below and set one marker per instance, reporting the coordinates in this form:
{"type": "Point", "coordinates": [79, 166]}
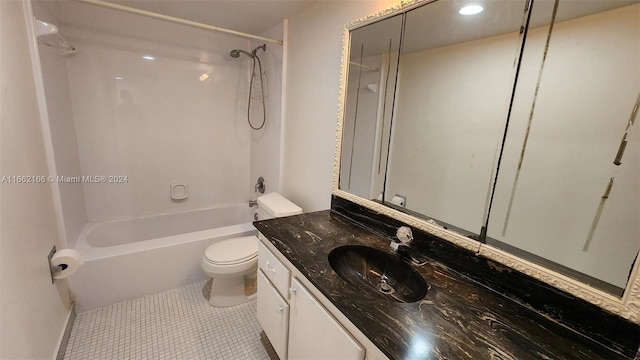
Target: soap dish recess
{"type": "Point", "coordinates": [179, 191]}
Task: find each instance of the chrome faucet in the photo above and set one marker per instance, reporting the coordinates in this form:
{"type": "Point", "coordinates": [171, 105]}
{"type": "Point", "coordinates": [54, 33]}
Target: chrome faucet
{"type": "Point", "coordinates": [253, 203]}
{"type": "Point", "coordinates": [405, 237]}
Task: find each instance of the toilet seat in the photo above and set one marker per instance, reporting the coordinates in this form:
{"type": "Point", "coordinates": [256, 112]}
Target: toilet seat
{"type": "Point", "coordinates": [232, 251]}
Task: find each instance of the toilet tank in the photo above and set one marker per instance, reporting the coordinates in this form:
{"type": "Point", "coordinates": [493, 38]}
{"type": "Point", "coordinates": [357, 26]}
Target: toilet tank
{"type": "Point", "coordinates": [274, 205]}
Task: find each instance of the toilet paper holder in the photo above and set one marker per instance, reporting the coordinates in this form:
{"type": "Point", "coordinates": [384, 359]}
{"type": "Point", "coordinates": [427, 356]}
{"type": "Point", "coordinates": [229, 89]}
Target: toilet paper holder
{"type": "Point", "coordinates": [400, 200]}
{"type": "Point", "coordinates": [53, 269]}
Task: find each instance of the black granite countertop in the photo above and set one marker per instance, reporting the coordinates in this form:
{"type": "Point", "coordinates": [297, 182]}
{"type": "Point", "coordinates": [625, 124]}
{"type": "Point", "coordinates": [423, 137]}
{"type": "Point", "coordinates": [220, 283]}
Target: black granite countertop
{"type": "Point", "coordinates": [457, 319]}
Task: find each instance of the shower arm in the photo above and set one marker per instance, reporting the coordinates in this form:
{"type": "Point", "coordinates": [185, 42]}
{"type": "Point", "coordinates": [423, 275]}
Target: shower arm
{"type": "Point", "coordinates": [235, 53]}
{"type": "Point", "coordinates": [263, 47]}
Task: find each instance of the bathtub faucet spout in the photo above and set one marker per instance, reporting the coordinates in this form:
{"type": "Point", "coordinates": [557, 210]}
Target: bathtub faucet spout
{"type": "Point", "coordinates": [253, 203]}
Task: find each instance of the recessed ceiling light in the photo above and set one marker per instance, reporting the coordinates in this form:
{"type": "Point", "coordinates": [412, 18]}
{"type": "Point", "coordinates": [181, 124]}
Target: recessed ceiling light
{"type": "Point", "coordinates": [119, 78]}
{"type": "Point", "coordinates": [148, 57]}
{"type": "Point", "coordinates": [471, 9]}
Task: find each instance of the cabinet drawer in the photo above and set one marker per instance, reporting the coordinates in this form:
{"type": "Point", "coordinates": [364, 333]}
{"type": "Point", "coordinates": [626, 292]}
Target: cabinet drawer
{"type": "Point", "coordinates": [273, 269]}
{"type": "Point", "coordinates": [273, 315]}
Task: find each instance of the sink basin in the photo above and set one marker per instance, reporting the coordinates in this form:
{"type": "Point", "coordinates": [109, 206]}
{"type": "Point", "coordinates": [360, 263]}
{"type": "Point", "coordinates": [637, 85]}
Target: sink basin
{"type": "Point", "coordinates": [378, 272]}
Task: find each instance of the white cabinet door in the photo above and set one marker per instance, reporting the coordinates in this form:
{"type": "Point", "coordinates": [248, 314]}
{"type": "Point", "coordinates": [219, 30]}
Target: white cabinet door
{"type": "Point", "coordinates": [273, 315]}
{"type": "Point", "coordinates": [314, 333]}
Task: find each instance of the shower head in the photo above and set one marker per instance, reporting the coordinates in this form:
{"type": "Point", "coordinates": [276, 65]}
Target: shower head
{"type": "Point", "coordinates": [235, 53]}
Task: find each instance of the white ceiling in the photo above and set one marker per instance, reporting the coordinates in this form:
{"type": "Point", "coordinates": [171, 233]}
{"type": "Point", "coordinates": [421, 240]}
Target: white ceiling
{"type": "Point", "coordinates": [250, 16]}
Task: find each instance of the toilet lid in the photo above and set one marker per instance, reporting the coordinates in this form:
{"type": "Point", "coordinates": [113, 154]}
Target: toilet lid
{"type": "Point", "coordinates": [232, 251]}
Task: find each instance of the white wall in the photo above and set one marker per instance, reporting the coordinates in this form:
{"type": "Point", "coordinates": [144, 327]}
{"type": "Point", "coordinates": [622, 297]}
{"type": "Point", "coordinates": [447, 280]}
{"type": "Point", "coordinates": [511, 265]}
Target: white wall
{"type": "Point", "coordinates": [266, 142]}
{"type": "Point", "coordinates": [160, 124]}
{"type": "Point", "coordinates": [33, 312]}
{"type": "Point", "coordinates": [311, 91]}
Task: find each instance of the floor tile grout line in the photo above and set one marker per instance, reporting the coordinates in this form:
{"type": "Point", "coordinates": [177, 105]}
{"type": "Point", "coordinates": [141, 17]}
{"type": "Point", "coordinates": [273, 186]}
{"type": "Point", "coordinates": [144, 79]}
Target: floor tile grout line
{"type": "Point", "coordinates": [177, 323]}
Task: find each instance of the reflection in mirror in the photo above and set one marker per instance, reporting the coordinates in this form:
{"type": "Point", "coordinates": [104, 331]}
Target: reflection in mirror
{"type": "Point", "coordinates": [371, 81]}
{"type": "Point", "coordinates": [568, 190]}
{"type": "Point", "coordinates": [455, 82]}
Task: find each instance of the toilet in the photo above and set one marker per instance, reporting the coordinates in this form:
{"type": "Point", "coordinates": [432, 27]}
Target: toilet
{"type": "Point", "coordinates": [233, 263]}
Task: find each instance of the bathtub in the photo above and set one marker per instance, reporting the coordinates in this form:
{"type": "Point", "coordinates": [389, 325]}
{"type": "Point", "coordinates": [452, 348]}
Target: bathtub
{"type": "Point", "coordinates": [131, 258]}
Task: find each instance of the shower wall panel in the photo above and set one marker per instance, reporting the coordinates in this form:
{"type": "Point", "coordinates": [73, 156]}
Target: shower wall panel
{"type": "Point", "coordinates": [63, 133]}
{"type": "Point", "coordinates": [149, 114]}
{"type": "Point", "coordinates": [266, 142]}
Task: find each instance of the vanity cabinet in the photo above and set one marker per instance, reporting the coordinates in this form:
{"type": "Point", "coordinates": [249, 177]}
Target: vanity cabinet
{"type": "Point", "coordinates": [294, 318]}
{"type": "Point", "coordinates": [314, 333]}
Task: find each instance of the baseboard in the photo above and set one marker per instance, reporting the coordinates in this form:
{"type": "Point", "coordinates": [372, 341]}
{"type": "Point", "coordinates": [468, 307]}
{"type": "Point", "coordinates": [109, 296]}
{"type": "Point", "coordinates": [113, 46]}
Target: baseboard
{"type": "Point", "coordinates": [64, 340]}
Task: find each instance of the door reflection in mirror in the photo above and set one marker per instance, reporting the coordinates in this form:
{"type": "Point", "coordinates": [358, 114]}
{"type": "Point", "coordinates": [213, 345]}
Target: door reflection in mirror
{"type": "Point", "coordinates": [368, 107]}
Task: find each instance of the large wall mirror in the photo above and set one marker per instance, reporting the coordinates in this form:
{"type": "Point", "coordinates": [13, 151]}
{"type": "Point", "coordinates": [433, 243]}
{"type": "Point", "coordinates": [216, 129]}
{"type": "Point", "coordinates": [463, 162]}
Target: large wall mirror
{"type": "Point", "coordinates": [514, 127]}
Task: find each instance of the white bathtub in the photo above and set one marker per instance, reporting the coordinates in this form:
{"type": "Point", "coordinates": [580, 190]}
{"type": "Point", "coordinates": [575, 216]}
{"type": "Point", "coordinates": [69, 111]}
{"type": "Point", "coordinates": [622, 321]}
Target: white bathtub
{"type": "Point", "coordinates": [130, 258]}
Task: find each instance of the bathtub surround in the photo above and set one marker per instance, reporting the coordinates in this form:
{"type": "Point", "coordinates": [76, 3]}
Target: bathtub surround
{"type": "Point", "coordinates": [159, 122]}
{"type": "Point", "coordinates": [33, 311]}
{"type": "Point", "coordinates": [63, 133]}
{"type": "Point", "coordinates": [153, 102]}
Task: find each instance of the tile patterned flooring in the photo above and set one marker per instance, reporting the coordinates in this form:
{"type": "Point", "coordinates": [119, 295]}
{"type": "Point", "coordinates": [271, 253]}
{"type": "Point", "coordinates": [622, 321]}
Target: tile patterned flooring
{"type": "Point", "coordinates": [174, 324]}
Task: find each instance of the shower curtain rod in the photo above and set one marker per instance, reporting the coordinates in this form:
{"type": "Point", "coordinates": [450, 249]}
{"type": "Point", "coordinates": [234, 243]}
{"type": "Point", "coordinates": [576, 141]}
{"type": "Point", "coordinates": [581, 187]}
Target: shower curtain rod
{"type": "Point", "coordinates": [351, 62]}
{"type": "Point", "coordinates": [177, 20]}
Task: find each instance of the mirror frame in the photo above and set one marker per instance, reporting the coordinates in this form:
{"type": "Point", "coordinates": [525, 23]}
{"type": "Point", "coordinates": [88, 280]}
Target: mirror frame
{"type": "Point", "coordinates": [627, 306]}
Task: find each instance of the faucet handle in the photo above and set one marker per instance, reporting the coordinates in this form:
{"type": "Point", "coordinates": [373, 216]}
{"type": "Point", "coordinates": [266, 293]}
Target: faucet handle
{"type": "Point", "coordinates": [405, 235]}
{"type": "Point", "coordinates": [260, 185]}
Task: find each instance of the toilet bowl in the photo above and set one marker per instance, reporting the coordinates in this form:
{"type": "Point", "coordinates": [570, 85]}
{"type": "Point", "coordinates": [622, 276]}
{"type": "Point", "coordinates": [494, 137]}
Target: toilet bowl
{"type": "Point", "coordinates": [233, 263]}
